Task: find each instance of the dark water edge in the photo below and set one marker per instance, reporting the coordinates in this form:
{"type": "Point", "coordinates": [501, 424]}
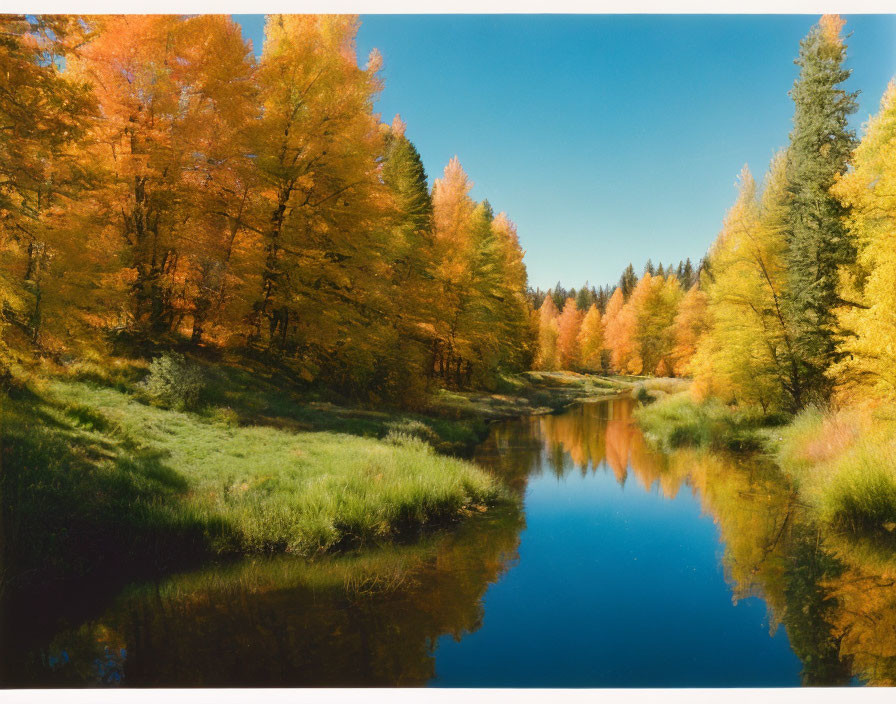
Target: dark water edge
{"type": "Point", "coordinates": [623, 567]}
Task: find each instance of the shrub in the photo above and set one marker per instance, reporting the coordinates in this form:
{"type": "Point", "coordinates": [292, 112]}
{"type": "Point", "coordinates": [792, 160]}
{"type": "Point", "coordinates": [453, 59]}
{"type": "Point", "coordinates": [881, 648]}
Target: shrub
{"type": "Point", "coordinates": [174, 382]}
{"type": "Point", "coordinates": [643, 396]}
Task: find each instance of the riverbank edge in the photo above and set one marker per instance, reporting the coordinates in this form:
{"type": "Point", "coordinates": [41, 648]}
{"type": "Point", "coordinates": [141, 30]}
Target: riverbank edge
{"type": "Point", "coordinates": [841, 461]}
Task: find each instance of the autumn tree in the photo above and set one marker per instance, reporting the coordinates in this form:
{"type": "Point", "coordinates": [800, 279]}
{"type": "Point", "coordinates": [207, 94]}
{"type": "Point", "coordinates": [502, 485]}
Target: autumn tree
{"type": "Point", "coordinates": [174, 97]}
{"type": "Point", "coordinates": [747, 354]}
{"type": "Point", "coordinates": [44, 112]}
{"type": "Point", "coordinates": [546, 357]}
{"type": "Point", "coordinates": [690, 324]}
{"type": "Point", "coordinates": [818, 244]}
{"type": "Point", "coordinates": [324, 295]}
{"type": "Point", "coordinates": [220, 257]}
{"type": "Point", "coordinates": [869, 194]}
{"type": "Point", "coordinates": [568, 326]}
{"type": "Point", "coordinates": [591, 340]}
{"type": "Point", "coordinates": [453, 210]}
{"type": "Point", "coordinates": [622, 333]}
{"type": "Point", "coordinates": [612, 325]}
{"type": "Point", "coordinates": [517, 343]}
{"type": "Point", "coordinates": [654, 318]}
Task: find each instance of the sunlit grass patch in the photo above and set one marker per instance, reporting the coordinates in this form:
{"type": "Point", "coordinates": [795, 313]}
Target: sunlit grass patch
{"type": "Point", "coordinates": [845, 464]}
{"type": "Point", "coordinates": [680, 421]}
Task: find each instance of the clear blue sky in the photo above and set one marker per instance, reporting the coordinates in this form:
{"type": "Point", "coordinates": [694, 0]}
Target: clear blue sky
{"type": "Point", "coordinates": [607, 139]}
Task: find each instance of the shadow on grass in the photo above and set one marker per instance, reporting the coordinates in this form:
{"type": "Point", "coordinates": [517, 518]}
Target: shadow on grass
{"type": "Point", "coordinates": [84, 508]}
{"type": "Point", "coordinates": [246, 395]}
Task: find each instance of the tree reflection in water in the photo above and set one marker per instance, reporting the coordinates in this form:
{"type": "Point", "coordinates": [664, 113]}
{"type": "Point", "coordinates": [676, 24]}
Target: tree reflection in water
{"type": "Point", "coordinates": [370, 619]}
{"type": "Point", "coordinates": [839, 607]}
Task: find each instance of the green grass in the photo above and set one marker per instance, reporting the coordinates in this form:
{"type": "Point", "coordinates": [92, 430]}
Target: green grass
{"type": "Point", "coordinates": [679, 421]}
{"type": "Point", "coordinates": [844, 463]}
{"type": "Point", "coordinates": [861, 496]}
{"type": "Point", "coordinates": [94, 476]}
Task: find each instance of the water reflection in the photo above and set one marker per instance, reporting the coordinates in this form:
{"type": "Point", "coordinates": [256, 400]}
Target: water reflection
{"type": "Point", "coordinates": [377, 618]}
{"type": "Point", "coordinates": [364, 620]}
{"type": "Point", "coordinates": [839, 610]}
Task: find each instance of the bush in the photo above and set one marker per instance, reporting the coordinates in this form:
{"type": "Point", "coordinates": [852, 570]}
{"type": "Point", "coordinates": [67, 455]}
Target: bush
{"type": "Point", "coordinates": [174, 382]}
{"type": "Point", "coordinates": [643, 396]}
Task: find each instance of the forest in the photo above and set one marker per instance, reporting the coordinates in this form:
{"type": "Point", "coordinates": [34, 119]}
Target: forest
{"type": "Point", "coordinates": [163, 187]}
{"type": "Point", "coordinates": [214, 267]}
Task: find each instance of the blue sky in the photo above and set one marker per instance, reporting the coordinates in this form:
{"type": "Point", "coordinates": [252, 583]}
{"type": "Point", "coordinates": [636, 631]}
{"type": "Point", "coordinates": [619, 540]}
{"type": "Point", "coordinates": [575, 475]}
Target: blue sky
{"type": "Point", "coordinates": [606, 138]}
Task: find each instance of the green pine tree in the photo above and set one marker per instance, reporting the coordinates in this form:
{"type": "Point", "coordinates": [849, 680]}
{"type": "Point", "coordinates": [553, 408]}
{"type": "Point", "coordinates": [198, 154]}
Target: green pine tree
{"type": "Point", "coordinates": [627, 281]}
{"type": "Point", "coordinates": [820, 147]}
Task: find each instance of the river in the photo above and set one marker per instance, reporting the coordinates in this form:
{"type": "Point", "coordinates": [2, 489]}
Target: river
{"type": "Point", "coordinates": [621, 567]}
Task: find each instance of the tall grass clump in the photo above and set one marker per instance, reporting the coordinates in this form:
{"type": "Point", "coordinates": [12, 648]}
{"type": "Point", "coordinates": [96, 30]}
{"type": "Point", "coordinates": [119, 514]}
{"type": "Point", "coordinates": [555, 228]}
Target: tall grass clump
{"type": "Point", "coordinates": [861, 496]}
{"type": "Point", "coordinates": [844, 463]}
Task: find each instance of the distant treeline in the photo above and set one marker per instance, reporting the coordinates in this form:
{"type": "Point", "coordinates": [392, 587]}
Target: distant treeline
{"type": "Point", "coordinates": [588, 295]}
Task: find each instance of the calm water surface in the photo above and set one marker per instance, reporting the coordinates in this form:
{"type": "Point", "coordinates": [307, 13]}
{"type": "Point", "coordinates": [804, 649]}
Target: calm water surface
{"type": "Point", "coordinates": [622, 567]}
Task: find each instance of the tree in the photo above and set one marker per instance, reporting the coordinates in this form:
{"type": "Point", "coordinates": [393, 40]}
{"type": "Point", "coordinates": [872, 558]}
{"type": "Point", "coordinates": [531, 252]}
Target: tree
{"type": "Point", "coordinates": [747, 354]}
{"type": "Point", "coordinates": [622, 330]}
{"type": "Point", "coordinates": [591, 340]}
{"type": "Point", "coordinates": [44, 112]}
{"type": "Point", "coordinates": [323, 298]}
{"type": "Point", "coordinates": [869, 194]}
{"type": "Point", "coordinates": [612, 325]}
{"type": "Point", "coordinates": [818, 245]}
{"type": "Point", "coordinates": [690, 324]}
{"type": "Point", "coordinates": [454, 241]}
{"type": "Point", "coordinates": [568, 326]}
{"type": "Point", "coordinates": [546, 354]}
{"type": "Point", "coordinates": [175, 97]}
{"type": "Point", "coordinates": [409, 247]}
{"type": "Point", "coordinates": [654, 320]}
{"type": "Point", "coordinates": [585, 297]}
{"type": "Point", "coordinates": [627, 281]}
{"type": "Point", "coordinates": [688, 277]}
{"type": "Point", "coordinates": [516, 335]}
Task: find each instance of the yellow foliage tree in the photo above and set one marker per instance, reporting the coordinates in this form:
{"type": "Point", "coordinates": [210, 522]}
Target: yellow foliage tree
{"type": "Point", "coordinates": [546, 354]}
{"type": "Point", "coordinates": [689, 325]}
{"type": "Point", "coordinates": [611, 322]}
{"type": "Point", "coordinates": [746, 355]}
{"type": "Point", "coordinates": [568, 326]}
{"type": "Point", "coordinates": [591, 340]}
{"type": "Point", "coordinates": [870, 287]}
{"type": "Point", "coordinates": [655, 315]}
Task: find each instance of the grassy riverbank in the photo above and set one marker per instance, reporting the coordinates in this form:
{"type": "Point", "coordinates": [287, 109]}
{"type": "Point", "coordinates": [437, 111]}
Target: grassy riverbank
{"type": "Point", "coordinates": [843, 462]}
{"type": "Point", "coordinates": [100, 474]}
{"type": "Point", "coordinates": [99, 478]}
